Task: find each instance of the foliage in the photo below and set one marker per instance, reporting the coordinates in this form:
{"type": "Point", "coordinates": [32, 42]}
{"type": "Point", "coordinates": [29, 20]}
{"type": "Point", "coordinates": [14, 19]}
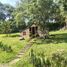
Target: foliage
{"type": "Point", "coordinates": [57, 60]}
{"type": "Point", "coordinates": [49, 47]}
{"type": "Point", "coordinates": [5, 27]}
{"type": "Point", "coordinates": [2, 15]}
{"type": "Point", "coordinates": [55, 26]}
{"type": "Point", "coordinates": [8, 27]}
{"type": "Point", "coordinates": [29, 11]}
{"type": "Point", "coordinates": [5, 47]}
{"type": "Point", "coordinates": [20, 23]}
{"type": "Point", "coordinates": [41, 11]}
{"type": "Point", "coordinates": [5, 11]}
{"type": "Point", "coordinates": [10, 43]}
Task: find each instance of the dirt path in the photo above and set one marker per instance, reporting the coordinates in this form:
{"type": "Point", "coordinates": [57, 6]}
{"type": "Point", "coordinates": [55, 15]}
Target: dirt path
{"type": "Point", "coordinates": [4, 65]}
{"type": "Point", "coordinates": [18, 56]}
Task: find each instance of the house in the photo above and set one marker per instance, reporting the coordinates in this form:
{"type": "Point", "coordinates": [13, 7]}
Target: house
{"type": "Point", "coordinates": [31, 32]}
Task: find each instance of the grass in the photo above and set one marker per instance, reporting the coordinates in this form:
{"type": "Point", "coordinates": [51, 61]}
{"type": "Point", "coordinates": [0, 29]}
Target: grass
{"type": "Point", "coordinates": [14, 42]}
{"type": "Point", "coordinates": [48, 46]}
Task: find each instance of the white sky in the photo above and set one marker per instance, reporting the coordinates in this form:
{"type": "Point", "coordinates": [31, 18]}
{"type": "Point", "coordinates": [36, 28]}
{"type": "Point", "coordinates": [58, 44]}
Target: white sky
{"type": "Point", "coordinates": [11, 2]}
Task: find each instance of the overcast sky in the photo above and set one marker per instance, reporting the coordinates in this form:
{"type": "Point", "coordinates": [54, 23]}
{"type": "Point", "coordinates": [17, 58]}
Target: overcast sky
{"type": "Point", "coordinates": [11, 2]}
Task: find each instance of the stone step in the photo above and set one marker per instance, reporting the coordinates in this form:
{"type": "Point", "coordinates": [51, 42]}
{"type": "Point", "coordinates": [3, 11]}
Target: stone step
{"type": "Point", "coordinates": [20, 54]}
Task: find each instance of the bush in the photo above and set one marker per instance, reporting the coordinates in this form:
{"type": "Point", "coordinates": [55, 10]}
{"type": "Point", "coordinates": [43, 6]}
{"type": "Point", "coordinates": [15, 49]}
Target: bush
{"type": "Point", "coordinates": [55, 26]}
{"type": "Point", "coordinates": [5, 47]}
{"type": "Point", "coordinates": [57, 60]}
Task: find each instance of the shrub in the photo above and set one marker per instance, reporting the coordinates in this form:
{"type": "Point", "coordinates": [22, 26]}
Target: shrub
{"type": "Point", "coordinates": [57, 60]}
{"type": "Point", "coordinates": [5, 47]}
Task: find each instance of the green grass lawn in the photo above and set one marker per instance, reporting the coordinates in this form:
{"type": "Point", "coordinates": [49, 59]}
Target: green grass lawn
{"type": "Point", "coordinates": [48, 46]}
{"type": "Point", "coordinates": [16, 46]}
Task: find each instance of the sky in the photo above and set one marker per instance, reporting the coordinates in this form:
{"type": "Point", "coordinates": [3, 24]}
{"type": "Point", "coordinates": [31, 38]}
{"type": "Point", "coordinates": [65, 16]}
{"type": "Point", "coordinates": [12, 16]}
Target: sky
{"type": "Point", "coordinates": [11, 2]}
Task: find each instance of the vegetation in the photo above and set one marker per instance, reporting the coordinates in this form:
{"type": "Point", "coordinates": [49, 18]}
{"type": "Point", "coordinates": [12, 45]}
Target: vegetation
{"type": "Point", "coordinates": [5, 47]}
{"type": "Point", "coordinates": [43, 13]}
{"type": "Point", "coordinates": [10, 46]}
{"type": "Point", "coordinates": [49, 15]}
{"type": "Point", "coordinates": [57, 60]}
{"type": "Point", "coordinates": [50, 49]}
{"type": "Point", "coordinates": [28, 11]}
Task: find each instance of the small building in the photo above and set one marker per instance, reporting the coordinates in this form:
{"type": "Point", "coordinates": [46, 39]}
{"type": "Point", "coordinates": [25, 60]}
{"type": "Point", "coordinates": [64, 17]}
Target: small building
{"type": "Point", "coordinates": [31, 32]}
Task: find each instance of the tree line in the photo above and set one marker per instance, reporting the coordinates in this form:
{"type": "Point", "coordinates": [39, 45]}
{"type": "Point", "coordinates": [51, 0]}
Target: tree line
{"type": "Point", "coordinates": [49, 14]}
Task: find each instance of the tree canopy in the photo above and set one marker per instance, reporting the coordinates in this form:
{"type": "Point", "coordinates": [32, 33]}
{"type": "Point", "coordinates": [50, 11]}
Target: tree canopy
{"type": "Point", "coordinates": [46, 13]}
{"type": "Point", "coordinates": [41, 11]}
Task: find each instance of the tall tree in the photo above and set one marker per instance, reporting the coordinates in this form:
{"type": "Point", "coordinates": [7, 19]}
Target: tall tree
{"type": "Point", "coordinates": [2, 9]}
{"type": "Point", "coordinates": [41, 11]}
{"type": "Point", "coordinates": [5, 11]}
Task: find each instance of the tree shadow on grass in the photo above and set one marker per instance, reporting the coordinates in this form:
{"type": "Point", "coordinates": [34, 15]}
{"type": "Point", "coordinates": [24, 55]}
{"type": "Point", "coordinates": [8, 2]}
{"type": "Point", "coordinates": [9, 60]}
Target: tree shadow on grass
{"type": "Point", "coordinates": [12, 35]}
{"type": "Point", "coordinates": [17, 35]}
{"type": "Point", "coordinates": [55, 39]}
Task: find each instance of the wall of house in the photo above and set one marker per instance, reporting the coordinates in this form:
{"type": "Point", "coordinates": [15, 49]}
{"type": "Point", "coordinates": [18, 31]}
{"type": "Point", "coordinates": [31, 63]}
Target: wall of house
{"type": "Point", "coordinates": [25, 33]}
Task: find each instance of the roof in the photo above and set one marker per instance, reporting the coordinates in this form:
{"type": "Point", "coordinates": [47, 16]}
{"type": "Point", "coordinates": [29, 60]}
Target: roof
{"type": "Point", "coordinates": [34, 25]}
